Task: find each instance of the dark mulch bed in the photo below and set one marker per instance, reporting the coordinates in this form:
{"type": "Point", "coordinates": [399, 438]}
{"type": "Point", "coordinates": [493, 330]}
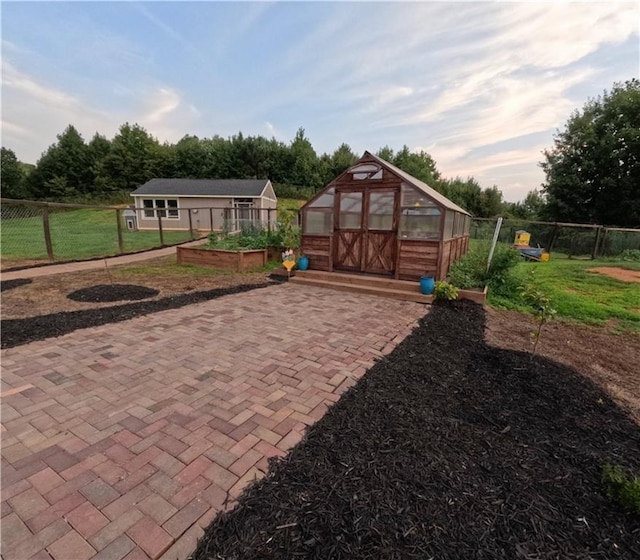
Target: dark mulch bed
{"type": "Point", "coordinates": [113, 292]}
{"type": "Point", "coordinates": [21, 331]}
{"type": "Point", "coordinates": [11, 284]}
{"type": "Point", "coordinates": [447, 448]}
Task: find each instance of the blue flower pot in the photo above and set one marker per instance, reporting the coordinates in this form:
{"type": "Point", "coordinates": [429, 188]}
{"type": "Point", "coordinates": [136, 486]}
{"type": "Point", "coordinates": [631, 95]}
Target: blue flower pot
{"type": "Point", "coordinates": [427, 284]}
{"type": "Point", "coordinates": [303, 263]}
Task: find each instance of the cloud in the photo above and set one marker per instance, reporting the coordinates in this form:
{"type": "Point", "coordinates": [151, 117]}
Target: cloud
{"type": "Point", "coordinates": [274, 132]}
{"type": "Point", "coordinates": [34, 112]}
{"type": "Point", "coordinates": [481, 84]}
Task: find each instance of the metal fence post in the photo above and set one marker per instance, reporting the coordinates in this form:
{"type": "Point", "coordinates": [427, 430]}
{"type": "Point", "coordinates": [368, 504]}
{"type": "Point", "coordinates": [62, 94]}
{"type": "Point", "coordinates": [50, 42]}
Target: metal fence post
{"type": "Point", "coordinates": [47, 232]}
{"type": "Point", "coordinates": [119, 226]}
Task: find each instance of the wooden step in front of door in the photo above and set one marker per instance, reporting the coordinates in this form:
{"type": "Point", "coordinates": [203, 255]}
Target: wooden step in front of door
{"type": "Point", "coordinates": [358, 283]}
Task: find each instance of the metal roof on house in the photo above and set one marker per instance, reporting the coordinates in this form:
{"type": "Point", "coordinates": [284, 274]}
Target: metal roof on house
{"type": "Point", "coordinates": [203, 187]}
{"type": "Point", "coordinates": [429, 191]}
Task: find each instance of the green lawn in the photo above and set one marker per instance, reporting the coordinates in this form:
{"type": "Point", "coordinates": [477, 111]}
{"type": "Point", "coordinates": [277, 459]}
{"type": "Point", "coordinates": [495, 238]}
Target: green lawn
{"type": "Point", "coordinates": [584, 296]}
{"type": "Point", "coordinates": [75, 234]}
{"type": "Point", "coordinates": [84, 233]}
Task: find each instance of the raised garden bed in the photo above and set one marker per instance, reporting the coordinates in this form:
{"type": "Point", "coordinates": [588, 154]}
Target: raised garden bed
{"type": "Point", "coordinates": [477, 295]}
{"type": "Point", "coordinates": [240, 261]}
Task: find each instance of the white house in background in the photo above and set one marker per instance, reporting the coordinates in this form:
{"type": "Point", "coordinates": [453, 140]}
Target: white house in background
{"type": "Point", "coordinates": [204, 204]}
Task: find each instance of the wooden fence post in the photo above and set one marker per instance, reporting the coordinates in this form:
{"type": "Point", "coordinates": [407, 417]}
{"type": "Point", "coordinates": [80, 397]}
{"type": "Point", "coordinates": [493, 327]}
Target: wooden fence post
{"type": "Point", "coordinates": [603, 241]}
{"type": "Point", "coordinates": [556, 229]}
{"type": "Point", "coordinates": [594, 253]}
{"type": "Point", "coordinates": [190, 226]}
{"type": "Point", "coordinates": [160, 230]}
{"type": "Point", "coordinates": [211, 219]}
{"type": "Point", "coordinates": [119, 226]}
{"type": "Point", "coordinates": [47, 232]}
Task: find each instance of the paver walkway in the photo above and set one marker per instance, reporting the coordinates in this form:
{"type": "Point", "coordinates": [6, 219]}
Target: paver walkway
{"type": "Point", "coordinates": [123, 441]}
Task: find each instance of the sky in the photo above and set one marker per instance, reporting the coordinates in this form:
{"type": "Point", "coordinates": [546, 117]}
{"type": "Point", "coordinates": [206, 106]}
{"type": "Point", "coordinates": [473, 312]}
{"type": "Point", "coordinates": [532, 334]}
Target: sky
{"type": "Point", "coordinates": [481, 86]}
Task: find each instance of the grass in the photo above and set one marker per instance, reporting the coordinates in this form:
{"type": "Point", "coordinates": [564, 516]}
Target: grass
{"type": "Point", "coordinates": [622, 489]}
{"type": "Point", "coordinates": [76, 234]}
{"type": "Point", "coordinates": [580, 295]}
{"type": "Point", "coordinates": [85, 233]}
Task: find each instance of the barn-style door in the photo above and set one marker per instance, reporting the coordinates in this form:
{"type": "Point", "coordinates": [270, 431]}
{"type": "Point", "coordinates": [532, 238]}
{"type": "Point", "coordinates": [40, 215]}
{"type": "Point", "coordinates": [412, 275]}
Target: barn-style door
{"type": "Point", "coordinates": [366, 229]}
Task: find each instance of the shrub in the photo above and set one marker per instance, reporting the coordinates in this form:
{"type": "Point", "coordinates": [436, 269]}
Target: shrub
{"type": "Point", "coordinates": [622, 489]}
{"type": "Point", "coordinates": [471, 271]}
{"type": "Point", "coordinates": [632, 255]}
{"type": "Point", "coordinates": [444, 291]}
{"type": "Point", "coordinates": [252, 236]}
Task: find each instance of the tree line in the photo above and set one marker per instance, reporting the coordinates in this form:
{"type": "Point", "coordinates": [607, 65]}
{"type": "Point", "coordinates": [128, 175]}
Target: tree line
{"type": "Point", "coordinates": [72, 169]}
{"type": "Point", "coordinates": [592, 172]}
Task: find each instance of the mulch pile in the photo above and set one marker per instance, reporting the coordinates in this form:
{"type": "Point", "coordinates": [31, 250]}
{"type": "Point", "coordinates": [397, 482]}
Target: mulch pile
{"type": "Point", "coordinates": [11, 284]}
{"type": "Point", "coordinates": [447, 448]}
{"type": "Point", "coordinates": [21, 331]}
{"type": "Point", "coordinates": [112, 292]}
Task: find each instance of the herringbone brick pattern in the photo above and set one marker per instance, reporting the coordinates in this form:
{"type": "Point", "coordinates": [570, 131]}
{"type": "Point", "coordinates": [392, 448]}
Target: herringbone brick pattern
{"type": "Point", "coordinates": [124, 441]}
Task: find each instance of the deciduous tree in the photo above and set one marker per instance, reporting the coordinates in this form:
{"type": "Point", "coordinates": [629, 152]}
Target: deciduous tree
{"type": "Point", "coordinates": [11, 175]}
{"type": "Point", "coordinates": [593, 170]}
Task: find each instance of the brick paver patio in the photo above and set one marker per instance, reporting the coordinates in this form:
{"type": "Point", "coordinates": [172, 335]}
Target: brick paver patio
{"type": "Point", "coordinates": [124, 441]}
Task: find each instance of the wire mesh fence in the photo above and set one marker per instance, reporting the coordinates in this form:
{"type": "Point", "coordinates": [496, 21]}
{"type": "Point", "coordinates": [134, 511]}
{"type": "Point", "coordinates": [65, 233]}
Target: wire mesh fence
{"type": "Point", "coordinates": [31, 232]}
{"type": "Point", "coordinates": [573, 240]}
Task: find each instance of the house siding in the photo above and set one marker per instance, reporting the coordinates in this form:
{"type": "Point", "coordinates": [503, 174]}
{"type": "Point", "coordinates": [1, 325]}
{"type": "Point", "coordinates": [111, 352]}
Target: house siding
{"type": "Point", "coordinates": [202, 211]}
{"type": "Point", "coordinates": [207, 213]}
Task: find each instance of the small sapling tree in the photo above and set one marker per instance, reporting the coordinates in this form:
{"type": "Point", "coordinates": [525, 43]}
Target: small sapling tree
{"type": "Point", "coordinates": [542, 307]}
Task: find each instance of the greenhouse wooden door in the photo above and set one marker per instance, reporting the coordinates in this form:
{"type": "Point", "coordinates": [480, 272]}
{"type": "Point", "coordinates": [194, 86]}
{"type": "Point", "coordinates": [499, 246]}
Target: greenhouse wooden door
{"type": "Point", "coordinates": [366, 230]}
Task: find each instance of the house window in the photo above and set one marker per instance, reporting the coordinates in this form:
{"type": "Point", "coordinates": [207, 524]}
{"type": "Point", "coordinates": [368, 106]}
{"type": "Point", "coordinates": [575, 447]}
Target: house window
{"type": "Point", "coordinates": [161, 208]}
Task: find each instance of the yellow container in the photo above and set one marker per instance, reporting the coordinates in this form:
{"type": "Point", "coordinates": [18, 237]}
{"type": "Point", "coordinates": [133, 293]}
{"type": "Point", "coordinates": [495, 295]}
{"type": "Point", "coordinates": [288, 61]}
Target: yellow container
{"type": "Point", "coordinates": [522, 237]}
{"type": "Point", "coordinates": [544, 257]}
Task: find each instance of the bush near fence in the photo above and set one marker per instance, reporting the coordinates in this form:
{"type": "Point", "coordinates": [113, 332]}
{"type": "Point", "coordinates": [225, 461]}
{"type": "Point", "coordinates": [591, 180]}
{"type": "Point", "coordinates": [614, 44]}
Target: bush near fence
{"type": "Point", "coordinates": [574, 240]}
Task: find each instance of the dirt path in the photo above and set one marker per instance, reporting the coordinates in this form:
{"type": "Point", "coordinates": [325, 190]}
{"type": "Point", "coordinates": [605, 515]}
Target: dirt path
{"type": "Point", "coordinates": [618, 273]}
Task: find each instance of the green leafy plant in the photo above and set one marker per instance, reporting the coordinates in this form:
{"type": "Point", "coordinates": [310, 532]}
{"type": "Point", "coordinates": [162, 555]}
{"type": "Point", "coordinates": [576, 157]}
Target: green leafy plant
{"type": "Point", "coordinates": [255, 237]}
{"type": "Point", "coordinates": [471, 271]}
{"type": "Point", "coordinates": [541, 305]}
{"type": "Point", "coordinates": [630, 255]}
{"type": "Point", "coordinates": [288, 230]}
{"type": "Point", "coordinates": [621, 488]}
{"type": "Point", "coordinates": [444, 291]}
